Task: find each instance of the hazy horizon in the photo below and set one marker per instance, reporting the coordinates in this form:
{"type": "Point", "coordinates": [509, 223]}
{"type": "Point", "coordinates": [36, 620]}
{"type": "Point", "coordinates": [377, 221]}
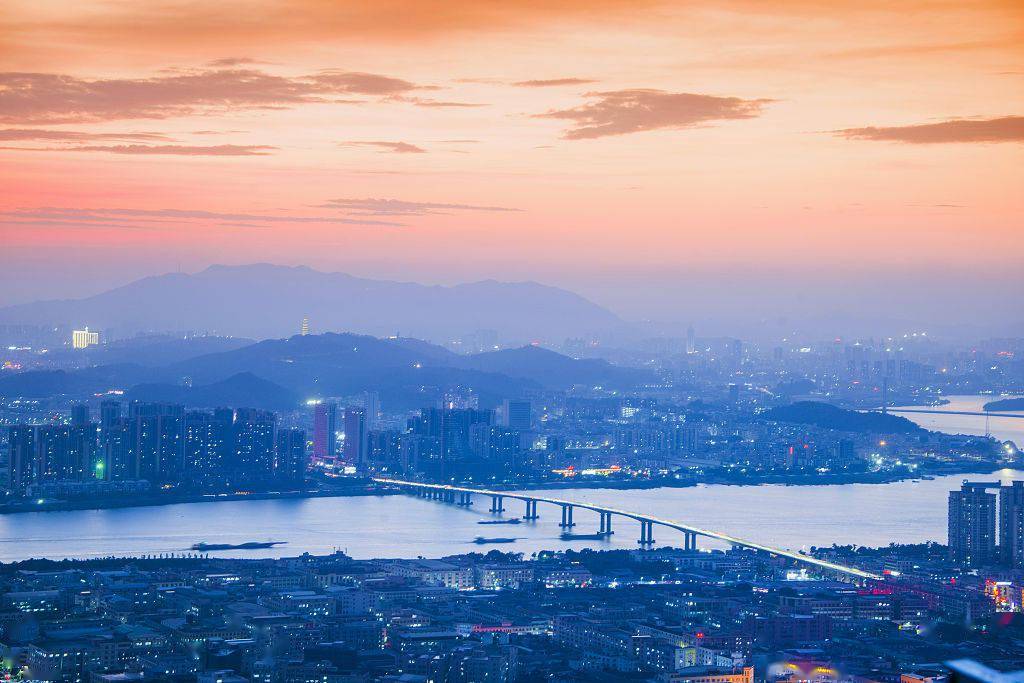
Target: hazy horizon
{"type": "Point", "coordinates": [720, 161]}
{"type": "Point", "coordinates": [655, 304]}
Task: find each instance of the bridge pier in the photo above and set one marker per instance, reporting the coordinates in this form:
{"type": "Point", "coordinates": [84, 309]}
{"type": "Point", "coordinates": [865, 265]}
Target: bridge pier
{"type": "Point", "coordinates": [689, 540]}
{"type": "Point", "coordinates": [606, 523]}
{"type": "Point", "coordinates": [465, 499]}
{"type": "Point", "coordinates": [531, 510]}
{"type": "Point", "coordinates": [567, 522]}
{"type": "Point", "coordinates": [497, 504]}
{"type": "Point", "coordinates": [646, 533]}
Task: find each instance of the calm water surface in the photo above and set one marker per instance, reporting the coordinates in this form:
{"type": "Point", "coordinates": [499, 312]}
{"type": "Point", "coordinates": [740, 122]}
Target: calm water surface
{"type": "Point", "coordinates": [397, 526]}
{"type": "Point", "coordinates": [1002, 428]}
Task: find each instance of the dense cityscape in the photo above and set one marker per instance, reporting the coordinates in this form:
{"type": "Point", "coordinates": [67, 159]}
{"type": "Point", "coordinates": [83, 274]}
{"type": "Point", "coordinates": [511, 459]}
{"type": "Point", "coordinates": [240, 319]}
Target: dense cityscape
{"type": "Point", "coordinates": [511, 341]}
{"type": "Point", "coordinates": [660, 413]}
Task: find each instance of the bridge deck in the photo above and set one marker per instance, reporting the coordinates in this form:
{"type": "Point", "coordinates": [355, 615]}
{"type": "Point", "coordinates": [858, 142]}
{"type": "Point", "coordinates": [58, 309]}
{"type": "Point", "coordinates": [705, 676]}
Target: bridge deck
{"type": "Point", "coordinates": [678, 526]}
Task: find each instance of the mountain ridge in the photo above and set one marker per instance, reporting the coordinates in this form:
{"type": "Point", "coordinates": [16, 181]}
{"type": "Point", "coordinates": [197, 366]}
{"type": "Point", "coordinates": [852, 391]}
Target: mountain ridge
{"type": "Point", "coordinates": [266, 301]}
{"type": "Point", "coordinates": [407, 373]}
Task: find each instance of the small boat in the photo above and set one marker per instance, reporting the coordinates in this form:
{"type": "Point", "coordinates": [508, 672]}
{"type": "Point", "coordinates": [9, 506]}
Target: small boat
{"type": "Point", "coordinates": [569, 536]}
{"type": "Point", "coordinates": [249, 545]}
{"type": "Point", "coordinates": [500, 521]}
{"type": "Point", "coordinates": [480, 540]}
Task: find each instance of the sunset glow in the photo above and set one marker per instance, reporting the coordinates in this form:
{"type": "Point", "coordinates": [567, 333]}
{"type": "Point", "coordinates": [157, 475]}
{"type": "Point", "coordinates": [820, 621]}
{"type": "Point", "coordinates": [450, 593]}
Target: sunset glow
{"type": "Point", "coordinates": [564, 142]}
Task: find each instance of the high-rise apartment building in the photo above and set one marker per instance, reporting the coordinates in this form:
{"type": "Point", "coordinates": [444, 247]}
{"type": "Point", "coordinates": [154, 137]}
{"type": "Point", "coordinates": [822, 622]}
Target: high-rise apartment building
{"type": "Point", "coordinates": [325, 431]}
{"type": "Point", "coordinates": [355, 437]}
{"type": "Point", "coordinates": [83, 339]}
{"type": "Point", "coordinates": [972, 525]}
{"type": "Point", "coordinates": [518, 414]}
{"type": "Point", "coordinates": [255, 438]}
{"type": "Point", "coordinates": [290, 465]}
{"type": "Point", "coordinates": [371, 401]}
{"type": "Point", "coordinates": [80, 414]}
{"type": "Point", "coordinates": [1011, 525]}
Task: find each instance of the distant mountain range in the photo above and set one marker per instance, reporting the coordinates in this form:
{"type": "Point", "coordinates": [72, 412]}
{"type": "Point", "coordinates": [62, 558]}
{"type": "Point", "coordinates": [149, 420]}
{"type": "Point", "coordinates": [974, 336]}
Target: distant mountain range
{"type": "Point", "coordinates": [264, 301]}
{"type": "Point", "coordinates": [279, 373]}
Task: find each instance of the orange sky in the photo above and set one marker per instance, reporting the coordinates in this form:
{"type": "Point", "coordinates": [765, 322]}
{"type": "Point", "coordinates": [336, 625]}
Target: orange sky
{"type": "Point", "coordinates": [569, 142]}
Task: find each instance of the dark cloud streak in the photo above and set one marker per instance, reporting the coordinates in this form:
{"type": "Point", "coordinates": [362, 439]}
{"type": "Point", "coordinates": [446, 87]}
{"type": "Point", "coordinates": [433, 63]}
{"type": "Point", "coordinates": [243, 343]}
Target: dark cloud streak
{"type": "Point", "coordinates": [170, 150]}
{"type": "Point", "coordinates": [50, 214]}
{"type": "Point", "coordinates": [399, 207]}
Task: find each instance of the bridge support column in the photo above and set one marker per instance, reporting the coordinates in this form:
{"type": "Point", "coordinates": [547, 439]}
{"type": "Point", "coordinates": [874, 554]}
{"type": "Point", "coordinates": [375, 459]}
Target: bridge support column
{"type": "Point", "coordinates": [465, 499]}
{"type": "Point", "coordinates": [689, 540]}
{"type": "Point", "coordinates": [567, 522]}
{"type": "Point", "coordinates": [497, 504]}
{"type": "Point", "coordinates": [646, 533]}
{"type": "Point", "coordinates": [606, 524]}
{"type": "Point", "coordinates": [531, 510]}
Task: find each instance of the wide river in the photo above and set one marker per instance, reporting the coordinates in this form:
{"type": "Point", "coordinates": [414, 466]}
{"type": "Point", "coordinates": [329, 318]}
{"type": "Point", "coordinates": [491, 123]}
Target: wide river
{"type": "Point", "coordinates": [397, 526]}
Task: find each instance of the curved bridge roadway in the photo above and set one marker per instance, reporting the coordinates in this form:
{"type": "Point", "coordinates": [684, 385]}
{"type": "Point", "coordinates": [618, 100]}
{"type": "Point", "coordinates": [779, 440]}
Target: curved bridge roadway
{"type": "Point", "coordinates": [446, 492]}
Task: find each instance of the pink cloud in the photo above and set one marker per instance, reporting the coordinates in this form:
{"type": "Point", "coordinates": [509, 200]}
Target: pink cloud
{"type": "Point", "coordinates": [176, 150]}
{"type": "Point", "coordinates": [25, 134]}
{"type": "Point", "coordinates": [385, 146]}
{"type": "Point", "coordinates": [632, 111]}
{"type": "Point", "coordinates": [553, 82]}
{"type": "Point", "coordinates": [1003, 129]}
{"type": "Point", "coordinates": [55, 98]}
{"type": "Point", "coordinates": [358, 83]}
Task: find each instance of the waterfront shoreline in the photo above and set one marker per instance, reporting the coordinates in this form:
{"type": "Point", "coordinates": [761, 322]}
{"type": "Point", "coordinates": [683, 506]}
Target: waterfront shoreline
{"type": "Point", "coordinates": [807, 479]}
{"type": "Point", "coordinates": [817, 479]}
{"type": "Point", "coordinates": [170, 499]}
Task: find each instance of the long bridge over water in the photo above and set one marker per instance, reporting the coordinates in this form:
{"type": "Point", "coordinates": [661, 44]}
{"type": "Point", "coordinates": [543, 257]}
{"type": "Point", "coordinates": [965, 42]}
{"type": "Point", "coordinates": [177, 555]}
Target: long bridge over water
{"type": "Point", "coordinates": [459, 495]}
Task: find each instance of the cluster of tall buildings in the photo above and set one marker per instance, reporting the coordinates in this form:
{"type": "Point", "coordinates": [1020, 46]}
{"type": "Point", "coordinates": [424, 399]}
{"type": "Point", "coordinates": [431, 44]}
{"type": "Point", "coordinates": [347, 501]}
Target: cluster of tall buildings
{"type": "Point", "coordinates": [354, 423]}
{"type": "Point", "coordinates": [163, 444]}
{"type": "Point", "coordinates": [979, 517]}
{"type": "Point", "coordinates": [439, 442]}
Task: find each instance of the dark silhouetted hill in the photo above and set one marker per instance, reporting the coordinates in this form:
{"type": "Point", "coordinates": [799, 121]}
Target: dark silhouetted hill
{"type": "Point", "coordinates": [1005, 404]}
{"type": "Point", "coordinates": [242, 390]}
{"type": "Point", "coordinates": [832, 417]}
{"type": "Point", "coordinates": [407, 373]}
{"type": "Point", "coordinates": [553, 370]}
